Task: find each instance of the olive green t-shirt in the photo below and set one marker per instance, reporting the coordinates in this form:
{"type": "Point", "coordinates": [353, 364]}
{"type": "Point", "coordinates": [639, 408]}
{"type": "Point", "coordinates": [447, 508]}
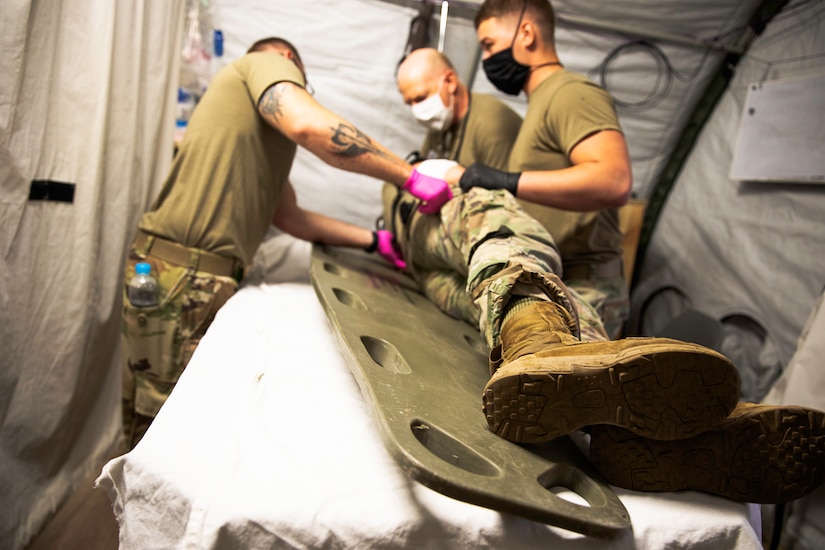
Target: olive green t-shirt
{"type": "Point", "coordinates": [562, 111]}
{"type": "Point", "coordinates": [486, 134]}
{"type": "Point", "coordinates": [231, 168]}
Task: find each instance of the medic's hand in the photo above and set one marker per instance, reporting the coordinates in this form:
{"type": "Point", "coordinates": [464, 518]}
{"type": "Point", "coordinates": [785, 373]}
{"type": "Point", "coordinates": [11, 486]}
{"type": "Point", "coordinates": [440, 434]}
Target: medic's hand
{"type": "Point", "coordinates": [479, 175]}
{"type": "Point", "coordinates": [385, 244]}
{"type": "Point", "coordinates": [432, 191]}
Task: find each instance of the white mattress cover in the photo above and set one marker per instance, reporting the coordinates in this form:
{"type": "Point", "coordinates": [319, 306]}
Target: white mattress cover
{"type": "Point", "coordinates": [267, 441]}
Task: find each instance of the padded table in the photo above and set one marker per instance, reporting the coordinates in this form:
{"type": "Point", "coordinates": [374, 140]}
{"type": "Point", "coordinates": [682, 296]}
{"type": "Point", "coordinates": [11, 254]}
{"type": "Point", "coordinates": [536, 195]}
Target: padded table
{"type": "Point", "coordinates": [268, 442]}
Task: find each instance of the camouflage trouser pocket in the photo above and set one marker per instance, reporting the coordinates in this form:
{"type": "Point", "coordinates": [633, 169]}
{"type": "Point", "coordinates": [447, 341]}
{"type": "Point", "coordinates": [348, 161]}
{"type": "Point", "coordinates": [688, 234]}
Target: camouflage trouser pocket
{"type": "Point", "coordinates": [150, 342]}
{"type": "Point", "coordinates": [158, 341]}
{"type": "Point", "coordinates": [148, 356]}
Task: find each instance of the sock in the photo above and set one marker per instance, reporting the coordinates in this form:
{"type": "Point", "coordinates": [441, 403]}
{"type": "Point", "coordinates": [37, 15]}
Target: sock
{"type": "Point", "coordinates": [516, 304]}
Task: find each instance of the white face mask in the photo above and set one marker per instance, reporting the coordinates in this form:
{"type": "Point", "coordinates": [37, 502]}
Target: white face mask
{"type": "Point", "coordinates": [432, 112]}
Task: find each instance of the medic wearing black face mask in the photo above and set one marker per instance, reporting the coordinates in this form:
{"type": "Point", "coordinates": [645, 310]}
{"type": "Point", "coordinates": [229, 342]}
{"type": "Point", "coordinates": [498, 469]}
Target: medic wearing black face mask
{"type": "Point", "coordinates": [504, 72]}
{"type": "Point", "coordinates": [508, 76]}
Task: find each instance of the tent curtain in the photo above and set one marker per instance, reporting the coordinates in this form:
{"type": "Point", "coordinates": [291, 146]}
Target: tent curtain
{"type": "Point", "coordinates": [87, 99]}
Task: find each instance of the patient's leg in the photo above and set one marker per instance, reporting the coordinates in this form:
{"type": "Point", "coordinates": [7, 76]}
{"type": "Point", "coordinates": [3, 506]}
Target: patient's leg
{"type": "Point", "coordinates": [446, 289]}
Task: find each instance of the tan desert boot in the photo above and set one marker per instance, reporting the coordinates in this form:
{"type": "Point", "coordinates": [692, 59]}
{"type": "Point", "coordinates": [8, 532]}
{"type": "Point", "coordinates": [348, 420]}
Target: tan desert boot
{"type": "Point", "coordinates": [550, 383]}
{"type": "Point", "coordinates": [761, 453]}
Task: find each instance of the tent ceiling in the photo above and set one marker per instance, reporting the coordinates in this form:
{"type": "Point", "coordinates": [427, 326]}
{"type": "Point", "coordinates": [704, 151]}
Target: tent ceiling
{"type": "Point", "coordinates": [598, 22]}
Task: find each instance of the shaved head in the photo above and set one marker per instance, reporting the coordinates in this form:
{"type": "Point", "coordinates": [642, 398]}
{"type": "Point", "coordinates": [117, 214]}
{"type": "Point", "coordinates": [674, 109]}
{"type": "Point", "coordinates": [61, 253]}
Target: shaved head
{"type": "Point", "coordinates": [280, 46]}
{"type": "Point", "coordinates": [426, 72]}
{"type": "Point", "coordinates": [538, 11]}
{"type": "Point", "coordinates": [421, 72]}
{"type": "Point", "coordinates": [423, 64]}
{"type": "Point", "coordinates": [275, 43]}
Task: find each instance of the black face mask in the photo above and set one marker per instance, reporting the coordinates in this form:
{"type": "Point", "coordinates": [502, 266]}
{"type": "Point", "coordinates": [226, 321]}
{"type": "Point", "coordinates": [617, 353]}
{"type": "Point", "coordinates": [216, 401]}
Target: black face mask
{"type": "Point", "coordinates": [502, 69]}
{"type": "Point", "coordinates": [505, 73]}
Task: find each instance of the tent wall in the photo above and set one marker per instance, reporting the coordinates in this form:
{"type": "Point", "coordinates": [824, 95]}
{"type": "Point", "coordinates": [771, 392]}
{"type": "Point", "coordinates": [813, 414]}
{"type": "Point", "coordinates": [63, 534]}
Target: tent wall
{"type": "Point", "coordinates": [86, 98]}
{"type": "Point", "coordinates": [750, 255]}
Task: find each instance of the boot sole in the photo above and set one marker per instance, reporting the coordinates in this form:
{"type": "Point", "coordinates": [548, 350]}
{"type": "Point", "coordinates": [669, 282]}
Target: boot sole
{"type": "Point", "coordinates": [661, 391]}
{"type": "Point", "coordinates": [768, 457]}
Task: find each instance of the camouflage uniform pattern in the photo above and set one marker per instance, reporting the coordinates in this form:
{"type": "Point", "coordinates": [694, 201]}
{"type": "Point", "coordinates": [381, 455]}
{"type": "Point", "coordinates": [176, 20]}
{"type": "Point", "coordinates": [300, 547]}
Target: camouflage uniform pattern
{"type": "Point", "coordinates": [607, 298]}
{"type": "Point", "coordinates": [158, 341]}
{"type": "Point", "coordinates": [479, 251]}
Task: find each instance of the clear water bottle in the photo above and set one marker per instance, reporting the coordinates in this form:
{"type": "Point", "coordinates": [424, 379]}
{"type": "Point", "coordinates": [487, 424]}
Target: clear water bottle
{"type": "Point", "coordinates": [143, 288]}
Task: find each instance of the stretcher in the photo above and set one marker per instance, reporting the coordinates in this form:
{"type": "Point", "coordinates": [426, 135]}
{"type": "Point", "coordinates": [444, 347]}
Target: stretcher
{"type": "Point", "coordinates": [423, 374]}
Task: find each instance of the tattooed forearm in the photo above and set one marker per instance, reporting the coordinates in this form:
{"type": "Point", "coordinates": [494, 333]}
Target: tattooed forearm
{"type": "Point", "coordinates": [352, 142]}
{"type": "Point", "coordinates": [270, 103]}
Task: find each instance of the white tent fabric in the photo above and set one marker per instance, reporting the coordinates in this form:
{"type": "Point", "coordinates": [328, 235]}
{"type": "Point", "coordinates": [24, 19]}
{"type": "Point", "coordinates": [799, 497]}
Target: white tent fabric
{"type": "Point", "coordinates": [750, 255]}
{"type": "Point", "coordinates": [87, 97]}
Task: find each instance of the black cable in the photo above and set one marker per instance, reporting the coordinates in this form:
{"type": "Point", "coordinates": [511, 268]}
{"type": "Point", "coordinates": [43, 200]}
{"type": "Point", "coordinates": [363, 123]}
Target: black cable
{"type": "Point", "coordinates": [665, 73]}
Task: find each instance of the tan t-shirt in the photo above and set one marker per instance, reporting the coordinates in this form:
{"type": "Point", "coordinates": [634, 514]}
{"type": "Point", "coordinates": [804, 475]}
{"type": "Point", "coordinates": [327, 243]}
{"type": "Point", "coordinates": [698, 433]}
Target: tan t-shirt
{"type": "Point", "coordinates": [562, 111]}
{"type": "Point", "coordinates": [486, 135]}
{"type": "Point", "coordinates": [231, 168]}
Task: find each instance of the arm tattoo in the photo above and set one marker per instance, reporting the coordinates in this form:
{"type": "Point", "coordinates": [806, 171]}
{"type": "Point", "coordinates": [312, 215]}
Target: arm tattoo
{"type": "Point", "coordinates": [353, 142]}
{"type": "Point", "coordinates": [270, 104]}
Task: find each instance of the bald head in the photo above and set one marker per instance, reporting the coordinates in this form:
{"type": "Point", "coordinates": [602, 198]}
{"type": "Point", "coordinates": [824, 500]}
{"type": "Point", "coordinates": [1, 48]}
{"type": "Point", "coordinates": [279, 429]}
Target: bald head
{"type": "Point", "coordinates": [423, 64]}
{"type": "Point", "coordinates": [422, 72]}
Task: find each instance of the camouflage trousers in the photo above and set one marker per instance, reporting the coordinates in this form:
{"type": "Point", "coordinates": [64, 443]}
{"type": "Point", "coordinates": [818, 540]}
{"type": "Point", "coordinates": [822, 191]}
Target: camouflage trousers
{"type": "Point", "coordinates": [158, 341]}
{"type": "Point", "coordinates": [480, 250]}
{"type": "Point", "coordinates": [607, 298]}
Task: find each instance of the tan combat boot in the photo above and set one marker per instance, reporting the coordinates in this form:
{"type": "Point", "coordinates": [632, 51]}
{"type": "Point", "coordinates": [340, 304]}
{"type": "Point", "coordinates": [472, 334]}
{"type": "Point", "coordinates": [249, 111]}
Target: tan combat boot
{"type": "Point", "coordinates": [549, 383]}
{"type": "Point", "coordinates": [761, 453]}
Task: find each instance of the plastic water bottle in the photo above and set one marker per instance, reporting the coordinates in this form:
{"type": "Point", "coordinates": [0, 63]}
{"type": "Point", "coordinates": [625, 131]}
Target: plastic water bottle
{"type": "Point", "coordinates": [143, 288]}
{"type": "Point", "coordinates": [186, 103]}
{"type": "Point", "coordinates": [217, 48]}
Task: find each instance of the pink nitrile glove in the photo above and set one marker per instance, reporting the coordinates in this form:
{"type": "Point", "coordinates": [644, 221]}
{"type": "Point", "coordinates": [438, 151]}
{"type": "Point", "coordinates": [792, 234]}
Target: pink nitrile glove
{"type": "Point", "coordinates": [387, 247]}
{"type": "Point", "coordinates": [433, 191]}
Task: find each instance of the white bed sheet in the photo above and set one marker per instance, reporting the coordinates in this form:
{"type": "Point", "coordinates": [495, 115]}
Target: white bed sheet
{"type": "Point", "coordinates": [267, 442]}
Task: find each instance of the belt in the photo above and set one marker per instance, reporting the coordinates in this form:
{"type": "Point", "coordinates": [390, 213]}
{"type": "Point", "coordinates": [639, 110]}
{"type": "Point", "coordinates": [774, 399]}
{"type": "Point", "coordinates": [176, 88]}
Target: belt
{"type": "Point", "coordinates": [605, 270]}
{"type": "Point", "coordinates": [197, 259]}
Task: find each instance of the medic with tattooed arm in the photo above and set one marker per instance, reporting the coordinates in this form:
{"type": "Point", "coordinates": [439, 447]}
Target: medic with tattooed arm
{"type": "Point", "coordinates": [228, 183]}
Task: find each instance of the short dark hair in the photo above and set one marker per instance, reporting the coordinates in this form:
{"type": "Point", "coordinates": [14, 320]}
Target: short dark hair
{"type": "Point", "coordinates": [277, 42]}
{"type": "Point", "coordinates": [541, 11]}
